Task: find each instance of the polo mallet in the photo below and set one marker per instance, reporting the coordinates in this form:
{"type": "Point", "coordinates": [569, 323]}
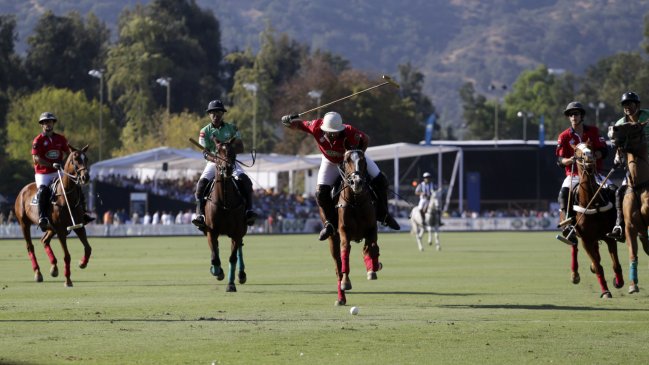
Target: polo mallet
{"type": "Point", "coordinates": [388, 81]}
{"type": "Point", "coordinates": [74, 225]}
{"type": "Point", "coordinates": [565, 240]}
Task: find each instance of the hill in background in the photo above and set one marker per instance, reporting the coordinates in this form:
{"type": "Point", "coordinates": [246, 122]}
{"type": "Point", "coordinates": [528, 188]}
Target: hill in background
{"type": "Point", "coordinates": [451, 42]}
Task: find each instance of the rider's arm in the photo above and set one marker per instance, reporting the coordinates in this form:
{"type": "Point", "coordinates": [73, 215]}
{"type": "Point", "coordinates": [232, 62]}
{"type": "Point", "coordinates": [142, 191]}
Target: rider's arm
{"type": "Point", "coordinates": [40, 161]}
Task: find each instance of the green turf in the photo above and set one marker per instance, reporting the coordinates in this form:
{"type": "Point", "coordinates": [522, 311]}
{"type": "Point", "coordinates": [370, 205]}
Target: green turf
{"type": "Point", "coordinates": [486, 298]}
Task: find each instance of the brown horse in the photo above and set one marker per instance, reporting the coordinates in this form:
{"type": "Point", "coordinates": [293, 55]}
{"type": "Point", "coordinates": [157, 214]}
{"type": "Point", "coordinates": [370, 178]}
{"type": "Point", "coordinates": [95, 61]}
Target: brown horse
{"type": "Point", "coordinates": [595, 216]}
{"type": "Point", "coordinates": [630, 139]}
{"type": "Point", "coordinates": [64, 214]}
{"type": "Point", "coordinates": [225, 213]}
{"type": "Point", "coordinates": [356, 222]}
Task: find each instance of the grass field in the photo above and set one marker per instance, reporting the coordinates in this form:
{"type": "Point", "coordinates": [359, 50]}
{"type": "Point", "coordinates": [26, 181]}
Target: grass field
{"type": "Point", "coordinates": [488, 298]}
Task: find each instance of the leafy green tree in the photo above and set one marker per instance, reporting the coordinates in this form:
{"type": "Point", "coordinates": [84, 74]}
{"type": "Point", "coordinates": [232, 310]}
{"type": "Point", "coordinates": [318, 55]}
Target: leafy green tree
{"type": "Point", "coordinates": [479, 117]}
{"type": "Point", "coordinates": [10, 70]}
{"type": "Point", "coordinates": [77, 121]}
{"type": "Point", "coordinates": [175, 131]}
{"type": "Point", "coordinates": [63, 49]}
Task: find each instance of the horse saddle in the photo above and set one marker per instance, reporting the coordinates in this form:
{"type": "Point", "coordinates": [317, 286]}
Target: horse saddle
{"type": "Point", "coordinates": [52, 188]}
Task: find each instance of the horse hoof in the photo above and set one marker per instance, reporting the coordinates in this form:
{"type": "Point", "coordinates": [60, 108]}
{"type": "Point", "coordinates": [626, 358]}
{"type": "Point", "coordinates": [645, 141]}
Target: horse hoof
{"type": "Point", "coordinates": [218, 272]}
{"type": "Point", "coordinates": [618, 283]}
{"type": "Point", "coordinates": [633, 289]}
{"type": "Point", "coordinates": [38, 277]}
{"type": "Point", "coordinates": [346, 285]}
{"type": "Point", "coordinates": [592, 269]}
{"type": "Point", "coordinates": [438, 247]}
{"type": "Point", "coordinates": [371, 275]}
{"type": "Point", "coordinates": [242, 277]}
{"type": "Point", "coordinates": [606, 295]}
{"type": "Point", "coordinates": [54, 271]}
{"type": "Point", "coordinates": [340, 303]}
{"type": "Point", "coordinates": [68, 284]}
{"type": "Point", "coordinates": [83, 264]}
{"type": "Point", "coordinates": [230, 288]}
{"type": "Point", "coordinates": [576, 278]}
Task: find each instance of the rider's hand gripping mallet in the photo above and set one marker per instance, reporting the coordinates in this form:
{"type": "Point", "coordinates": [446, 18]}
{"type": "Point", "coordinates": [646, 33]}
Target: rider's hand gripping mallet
{"type": "Point", "coordinates": [388, 81]}
{"type": "Point", "coordinates": [74, 225]}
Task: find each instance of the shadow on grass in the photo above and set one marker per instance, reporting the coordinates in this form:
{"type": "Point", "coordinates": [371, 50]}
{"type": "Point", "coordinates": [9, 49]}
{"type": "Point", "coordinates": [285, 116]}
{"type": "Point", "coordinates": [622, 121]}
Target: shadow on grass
{"type": "Point", "coordinates": [550, 307]}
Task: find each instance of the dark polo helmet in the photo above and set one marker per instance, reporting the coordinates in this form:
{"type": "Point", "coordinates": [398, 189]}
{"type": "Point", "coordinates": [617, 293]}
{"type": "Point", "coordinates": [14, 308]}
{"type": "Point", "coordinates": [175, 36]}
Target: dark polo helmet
{"type": "Point", "coordinates": [46, 116]}
{"type": "Point", "coordinates": [630, 96]}
{"type": "Point", "coordinates": [215, 105]}
{"type": "Point", "coordinates": [574, 105]}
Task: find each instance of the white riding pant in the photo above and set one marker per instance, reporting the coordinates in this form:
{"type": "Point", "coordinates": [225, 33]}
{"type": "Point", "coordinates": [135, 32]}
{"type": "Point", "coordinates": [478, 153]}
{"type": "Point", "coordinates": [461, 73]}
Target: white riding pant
{"type": "Point", "coordinates": [210, 171]}
{"type": "Point", "coordinates": [575, 180]}
{"type": "Point", "coordinates": [45, 179]}
{"type": "Point", "coordinates": [328, 172]}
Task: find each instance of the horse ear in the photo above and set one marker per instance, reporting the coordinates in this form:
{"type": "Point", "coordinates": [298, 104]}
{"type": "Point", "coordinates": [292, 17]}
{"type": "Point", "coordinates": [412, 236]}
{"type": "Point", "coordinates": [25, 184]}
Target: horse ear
{"type": "Point", "coordinates": [85, 148]}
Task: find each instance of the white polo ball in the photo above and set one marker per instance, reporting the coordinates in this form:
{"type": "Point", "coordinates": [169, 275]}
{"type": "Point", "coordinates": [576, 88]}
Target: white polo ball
{"type": "Point", "coordinates": [353, 311]}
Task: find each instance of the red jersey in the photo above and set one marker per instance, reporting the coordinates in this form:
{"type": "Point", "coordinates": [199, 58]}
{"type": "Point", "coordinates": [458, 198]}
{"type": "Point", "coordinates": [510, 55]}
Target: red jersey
{"type": "Point", "coordinates": [50, 149]}
{"type": "Point", "coordinates": [335, 151]}
{"type": "Point", "coordinates": [569, 139]}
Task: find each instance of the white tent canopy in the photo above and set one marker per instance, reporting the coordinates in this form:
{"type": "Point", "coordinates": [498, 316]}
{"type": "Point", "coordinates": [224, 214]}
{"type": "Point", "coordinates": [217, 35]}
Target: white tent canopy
{"type": "Point", "coordinates": [188, 162]}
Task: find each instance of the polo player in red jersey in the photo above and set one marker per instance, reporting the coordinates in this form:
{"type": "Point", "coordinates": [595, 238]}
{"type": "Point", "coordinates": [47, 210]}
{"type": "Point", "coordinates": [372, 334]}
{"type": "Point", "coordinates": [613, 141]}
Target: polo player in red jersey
{"type": "Point", "coordinates": [49, 151]}
{"type": "Point", "coordinates": [333, 139]}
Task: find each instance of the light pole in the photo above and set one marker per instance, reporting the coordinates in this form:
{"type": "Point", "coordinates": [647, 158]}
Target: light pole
{"type": "Point", "coordinates": [597, 107]}
{"type": "Point", "coordinates": [316, 94]}
{"type": "Point", "coordinates": [492, 87]}
{"type": "Point", "coordinates": [252, 87]}
{"type": "Point", "coordinates": [525, 115]}
{"type": "Point", "coordinates": [100, 75]}
{"type": "Point", "coordinates": [166, 82]}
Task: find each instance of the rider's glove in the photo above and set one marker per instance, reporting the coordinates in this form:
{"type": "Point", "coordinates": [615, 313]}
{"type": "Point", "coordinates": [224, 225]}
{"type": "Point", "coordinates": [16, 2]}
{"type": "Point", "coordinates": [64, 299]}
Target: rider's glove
{"type": "Point", "coordinates": [286, 120]}
{"type": "Point", "coordinates": [56, 165]}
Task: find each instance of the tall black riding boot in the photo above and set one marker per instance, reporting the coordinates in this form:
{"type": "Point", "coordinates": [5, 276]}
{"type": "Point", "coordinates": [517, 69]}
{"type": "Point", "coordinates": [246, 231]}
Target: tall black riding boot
{"type": "Point", "coordinates": [380, 186]}
{"type": "Point", "coordinates": [199, 221]}
{"type": "Point", "coordinates": [568, 230]}
{"type": "Point", "coordinates": [327, 210]}
{"type": "Point", "coordinates": [246, 189]}
{"type": "Point", "coordinates": [43, 198]}
{"type": "Point", "coordinates": [618, 231]}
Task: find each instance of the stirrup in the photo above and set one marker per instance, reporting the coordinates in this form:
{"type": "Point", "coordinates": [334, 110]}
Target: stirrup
{"type": "Point", "coordinates": [87, 218]}
{"type": "Point", "coordinates": [617, 234]}
{"type": "Point", "coordinates": [251, 216]}
{"type": "Point", "coordinates": [199, 221]}
{"type": "Point", "coordinates": [327, 231]}
{"type": "Point", "coordinates": [391, 222]}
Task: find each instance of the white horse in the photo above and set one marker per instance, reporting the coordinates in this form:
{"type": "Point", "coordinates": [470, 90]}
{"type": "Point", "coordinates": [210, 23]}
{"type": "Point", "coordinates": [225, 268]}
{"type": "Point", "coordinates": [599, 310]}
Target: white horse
{"type": "Point", "coordinates": [432, 221]}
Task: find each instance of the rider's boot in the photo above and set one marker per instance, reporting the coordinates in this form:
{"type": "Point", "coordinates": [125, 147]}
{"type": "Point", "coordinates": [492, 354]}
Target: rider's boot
{"type": "Point", "coordinates": [87, 218]}
{"type": "Point", "coordinates": [380, 186]}
{"type": "Point", "coordinates": [246, 190]}
{"type": "Point", "coordinates": [568, 230]}
{"type": "Point", "coordinates": [199, 221]}
{"type": "Point", "coordinates": [327, 211]}
{"type": "Point", "coordinates": [43, 201]}
{"type": "Point", "coordinates": [618, 231]}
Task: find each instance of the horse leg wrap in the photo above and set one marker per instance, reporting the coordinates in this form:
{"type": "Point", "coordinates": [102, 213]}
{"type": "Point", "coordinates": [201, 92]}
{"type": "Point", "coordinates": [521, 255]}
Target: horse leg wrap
{"type": "Point", "coordinates": [602, 282]}
{"type": "Point", "coordinates": [32, 258]}
{"type": "Point", "coordinates": [344, 259]}
{"type": "Point", "coordinates": [368, 263]}
{"type": "Point", "coordinates": [633, 271]}
{"type": "Point", "coordinates": [50, 254]}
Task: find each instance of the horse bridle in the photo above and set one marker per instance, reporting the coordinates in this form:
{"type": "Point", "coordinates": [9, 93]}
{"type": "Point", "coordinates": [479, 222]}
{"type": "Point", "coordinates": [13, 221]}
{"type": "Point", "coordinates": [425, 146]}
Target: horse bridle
{"type": "Point", "coordinates": [357, 174]}
{"type": "Point", "coordinates": [77, 170]}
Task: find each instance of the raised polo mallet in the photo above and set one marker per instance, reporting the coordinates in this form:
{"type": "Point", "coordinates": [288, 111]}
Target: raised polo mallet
{"type": "Point", "coordinates": [388, 81]}
{"type": "Point", "coordinates": [74, 225]}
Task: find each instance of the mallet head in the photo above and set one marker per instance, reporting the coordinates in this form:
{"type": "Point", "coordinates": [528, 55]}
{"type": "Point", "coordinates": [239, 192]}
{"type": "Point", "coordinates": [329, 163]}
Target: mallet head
{"type": "Point", "coordinates": [389, 79]}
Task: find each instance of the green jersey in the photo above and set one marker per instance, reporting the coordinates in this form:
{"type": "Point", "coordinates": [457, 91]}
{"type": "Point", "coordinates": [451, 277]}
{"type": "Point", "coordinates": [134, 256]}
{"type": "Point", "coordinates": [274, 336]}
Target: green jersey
{"type": "Point", "coordinates": [643, 116]}
{"type": "Point", "coordinates": [210, 135]}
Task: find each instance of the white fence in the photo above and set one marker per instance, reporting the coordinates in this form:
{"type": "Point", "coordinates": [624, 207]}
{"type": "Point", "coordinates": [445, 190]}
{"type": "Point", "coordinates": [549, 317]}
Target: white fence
{"type": "Point", "coordinates": [289, 226]}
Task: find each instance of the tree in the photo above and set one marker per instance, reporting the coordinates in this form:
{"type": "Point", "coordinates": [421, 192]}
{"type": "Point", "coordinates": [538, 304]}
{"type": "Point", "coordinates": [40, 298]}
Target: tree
{"type": "Point", "coordinates": [76, 120]}
{"type": "Point", "coordinates": [63, 49]}
{"type": "Point", "coordinates": [477, 114]}
{"type": "Point", "coordinates": [10, 70]}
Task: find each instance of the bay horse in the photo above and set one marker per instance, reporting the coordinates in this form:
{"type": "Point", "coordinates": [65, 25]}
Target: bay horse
{"type": "Point", "coordinates": [431, 223]}
{"type": "Point", "coordinates": [595, 216]}
{"type": "Point", "coordinates": [75, 174]}
{"type": "Point", "coordinates": [225, 213]}
{"type": "Point", "coordinates": [356, 222]}
{"type": "Point", "coordinates": [630, 140]}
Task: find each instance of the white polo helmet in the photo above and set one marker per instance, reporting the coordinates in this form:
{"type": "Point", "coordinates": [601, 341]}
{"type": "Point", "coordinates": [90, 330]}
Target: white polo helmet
{"type": "Point", "coordinates": [332, 122]}
{"type": "Point", "coordinates": [426, 174]}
